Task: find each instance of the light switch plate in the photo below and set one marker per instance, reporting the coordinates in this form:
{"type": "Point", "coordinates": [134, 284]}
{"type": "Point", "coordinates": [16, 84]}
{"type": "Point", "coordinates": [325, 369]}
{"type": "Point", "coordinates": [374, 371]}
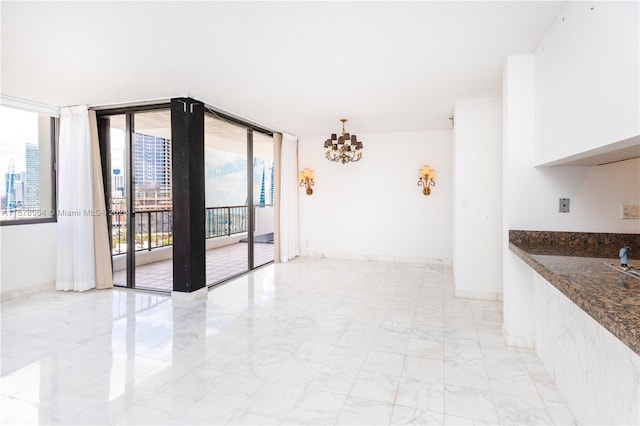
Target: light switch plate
{"type": "Point", "coordinates": [629, 211]}
{"type": "Point", "coordinates": [564, 205]}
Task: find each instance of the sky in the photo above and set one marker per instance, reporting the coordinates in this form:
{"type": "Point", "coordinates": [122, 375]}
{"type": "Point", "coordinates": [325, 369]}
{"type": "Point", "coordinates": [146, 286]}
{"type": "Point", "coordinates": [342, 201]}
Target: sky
{"type": "Point", "coordinates": [17, 127]}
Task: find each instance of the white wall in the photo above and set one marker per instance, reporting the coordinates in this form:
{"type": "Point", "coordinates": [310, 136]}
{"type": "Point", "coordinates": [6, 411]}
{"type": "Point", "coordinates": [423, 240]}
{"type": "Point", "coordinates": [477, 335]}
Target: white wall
{"type": "Point", "coordinates": [477, 203]}
{"type": "Point", "coordinates": [517, 161]}
{"type": "Point", "coordinates": [596, 194]}
{"type": "Point", "coordinates": [374, 208]}
{"type": "Point", "coordinates": [27, 257]}
{"type": "Point", "coordinates": [587, 79]}
{"type": "Point", "coordinates": [531, 194]}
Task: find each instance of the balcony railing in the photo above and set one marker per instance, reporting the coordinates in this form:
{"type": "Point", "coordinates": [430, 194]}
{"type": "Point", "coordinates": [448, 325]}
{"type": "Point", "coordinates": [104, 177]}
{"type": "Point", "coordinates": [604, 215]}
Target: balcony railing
{"type": "Point", "coordinates": [220, 221]}
{"type": "Point", "coordinates": [154, 228]}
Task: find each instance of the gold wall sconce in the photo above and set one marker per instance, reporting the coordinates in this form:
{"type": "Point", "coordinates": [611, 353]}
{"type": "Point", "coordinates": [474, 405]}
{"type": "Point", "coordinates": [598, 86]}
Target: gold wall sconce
{"type": "Point", "coordinates": [306, 179]}
{"type": "Point", "coordinates": [426, 179]}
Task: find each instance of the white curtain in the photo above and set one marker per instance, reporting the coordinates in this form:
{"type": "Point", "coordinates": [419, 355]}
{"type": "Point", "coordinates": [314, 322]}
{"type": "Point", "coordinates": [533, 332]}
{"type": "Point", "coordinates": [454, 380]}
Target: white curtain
{"type": "Point", "coordinates": [289, 198]}
{"type": "Point", "coordinates": [75, 262]}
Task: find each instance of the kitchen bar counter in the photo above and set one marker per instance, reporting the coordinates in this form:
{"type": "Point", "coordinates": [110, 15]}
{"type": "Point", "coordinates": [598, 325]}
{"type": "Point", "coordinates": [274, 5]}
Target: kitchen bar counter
{"type": "Point", "coordinates": [584, 318]}
{"type": "Point", "coordinates": [610, 297]}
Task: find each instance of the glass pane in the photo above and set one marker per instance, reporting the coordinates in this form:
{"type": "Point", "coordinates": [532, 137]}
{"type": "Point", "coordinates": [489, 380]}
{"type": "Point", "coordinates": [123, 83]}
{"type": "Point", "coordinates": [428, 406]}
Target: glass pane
{"type": "Point", "coordinates": [263, 188]}
{"type": "Point", "coordinates": [226, 200]}
{"type": "Point", "coordinates": [26, 175]}
{"type": "Point", "coordinates": [152, 200]}
{"type": "Point", "coordinates": [118, 205]}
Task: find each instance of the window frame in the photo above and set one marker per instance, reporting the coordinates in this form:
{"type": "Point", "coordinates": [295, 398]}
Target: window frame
{"type": "Point", "coordinates": [54, 123]}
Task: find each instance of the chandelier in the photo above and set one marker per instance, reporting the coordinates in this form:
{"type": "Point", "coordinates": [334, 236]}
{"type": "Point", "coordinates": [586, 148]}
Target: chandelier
{"type": "Point", "coordinates": [344, 149]}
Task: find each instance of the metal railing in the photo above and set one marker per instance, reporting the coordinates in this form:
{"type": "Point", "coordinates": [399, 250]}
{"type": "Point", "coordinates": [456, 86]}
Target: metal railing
{"type": "Point", "coordinates": [154, 228]}
{"type": "Point", "coordinates": [220, 221]}
{"type": "Point", "coordinates": [118, 232]}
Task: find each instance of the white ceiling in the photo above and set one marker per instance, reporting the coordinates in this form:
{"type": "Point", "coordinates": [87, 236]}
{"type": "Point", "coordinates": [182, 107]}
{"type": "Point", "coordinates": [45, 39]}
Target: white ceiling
{"type": "Point", "coordinates": [292, 66]}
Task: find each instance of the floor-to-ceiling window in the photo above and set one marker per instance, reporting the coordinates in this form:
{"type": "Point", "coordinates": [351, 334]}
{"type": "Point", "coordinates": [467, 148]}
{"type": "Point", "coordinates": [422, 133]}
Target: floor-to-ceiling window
{"type": "Point", "coordinates": [238, 226]}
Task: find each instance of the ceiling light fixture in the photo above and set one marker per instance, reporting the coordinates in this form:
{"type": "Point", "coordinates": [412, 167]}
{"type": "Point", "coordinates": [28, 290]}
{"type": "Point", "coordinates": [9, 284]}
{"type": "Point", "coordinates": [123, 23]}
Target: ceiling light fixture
{"type": "Point", "coordinates": [344, 149]}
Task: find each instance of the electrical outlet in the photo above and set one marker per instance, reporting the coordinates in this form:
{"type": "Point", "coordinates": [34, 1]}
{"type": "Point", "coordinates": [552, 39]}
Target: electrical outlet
{"type": "Point", "coordinates": [629, 211]}
{"type": "Point", "coordinates": [564, 205]}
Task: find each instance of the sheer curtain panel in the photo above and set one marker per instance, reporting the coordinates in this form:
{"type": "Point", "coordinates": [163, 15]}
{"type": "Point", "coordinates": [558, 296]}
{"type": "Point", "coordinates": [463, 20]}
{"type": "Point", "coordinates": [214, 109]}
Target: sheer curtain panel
{"type": "Point", "coordinates": [289, 198]}
{"type": "Point", "coordinates": [75, 255]}
{"type": "Point", "coordinates": [277, 149]}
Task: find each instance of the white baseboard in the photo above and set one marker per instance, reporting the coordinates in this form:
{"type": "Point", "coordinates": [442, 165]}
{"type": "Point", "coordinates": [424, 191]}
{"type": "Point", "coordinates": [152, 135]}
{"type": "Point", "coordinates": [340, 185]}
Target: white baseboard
{"type": "Point", "coordinates": [180, 297]}
{"type": "Point", "coordinates": [516, 341]}
{"type": "Point", "coordinates": [399, 259]}
{"type": "Point", "coordinates": [26, 291]}
{"type": "Point", "coordinates": [480, 295]}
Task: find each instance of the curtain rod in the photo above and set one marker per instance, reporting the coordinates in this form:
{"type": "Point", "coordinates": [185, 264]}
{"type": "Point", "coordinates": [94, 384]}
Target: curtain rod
{"type": "Point", "coordinates": [31, 106]}
{"type": "Point", "coordinates": [129, 104]}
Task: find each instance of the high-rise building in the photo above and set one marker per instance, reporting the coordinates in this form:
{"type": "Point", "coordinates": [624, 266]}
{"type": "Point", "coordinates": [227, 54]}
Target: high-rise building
{"type": "Point", "coordinates": [117, 184]}
{"type": "Point", "coordinates": [14, 190]}
{"type": "Point", "coordinates": [262, 200]}
{"type": "Point", "coordinates": [152, 172]}
{"type": "Point", "coordinates": [32, 178]}
{"type": "Point", "coordinates": [271, 185]}
{"type": "Point", "coordinates": [225, 178]}
{"type": "Point", "coordinates": [10, 190]}
{"type": "Point", "coordinates": [18, 185]}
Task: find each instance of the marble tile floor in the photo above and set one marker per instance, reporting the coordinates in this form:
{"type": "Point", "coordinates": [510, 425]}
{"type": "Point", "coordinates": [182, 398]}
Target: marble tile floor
{"type": "Point", "coordinates": [221, 263]}
{"type": "Point", "coordinates": [312, 341]}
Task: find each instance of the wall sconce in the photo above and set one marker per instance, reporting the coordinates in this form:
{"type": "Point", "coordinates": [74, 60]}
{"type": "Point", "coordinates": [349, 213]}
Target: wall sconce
{"type": "Point", "coordinates": [426, 179]}
{"type": "Point", "coordinates": [306, 180]}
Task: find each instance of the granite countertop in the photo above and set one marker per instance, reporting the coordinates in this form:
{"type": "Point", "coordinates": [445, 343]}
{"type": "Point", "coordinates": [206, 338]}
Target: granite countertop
{"type": "Point", "coordinates": [610, 297]}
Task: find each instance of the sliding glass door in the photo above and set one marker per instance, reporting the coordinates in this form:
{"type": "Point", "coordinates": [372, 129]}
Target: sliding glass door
{"type": "Point", "coordinates": [263, 190]}
{"type": "Point", "coordinates": [140, 197]}
{"type": "Point", "coordinates": [239, 226]}
{"type": "Point", "coordinates": [116, 140]}
{"type": "Point", "coordinates": [152, 199]}
{"type": "Point", "coordinates": [227, 216]}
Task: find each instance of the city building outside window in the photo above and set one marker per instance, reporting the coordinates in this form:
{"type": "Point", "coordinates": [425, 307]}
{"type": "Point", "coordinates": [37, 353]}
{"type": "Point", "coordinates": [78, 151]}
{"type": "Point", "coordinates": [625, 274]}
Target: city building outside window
{"type": "Point", "coordinates": [27, 166]}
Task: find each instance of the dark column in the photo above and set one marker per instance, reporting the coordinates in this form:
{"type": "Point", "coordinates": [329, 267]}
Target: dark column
{"type": "Point", "coordinates": [129, 150]}
{"type": "Point", "coordinates": [187, 152]}
{"type": "Point", "coordinates": [250, 207]}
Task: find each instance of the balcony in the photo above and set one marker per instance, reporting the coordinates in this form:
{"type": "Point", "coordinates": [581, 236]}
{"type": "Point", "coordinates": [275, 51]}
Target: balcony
{"type": "Point", "coordinates": [226, 244]}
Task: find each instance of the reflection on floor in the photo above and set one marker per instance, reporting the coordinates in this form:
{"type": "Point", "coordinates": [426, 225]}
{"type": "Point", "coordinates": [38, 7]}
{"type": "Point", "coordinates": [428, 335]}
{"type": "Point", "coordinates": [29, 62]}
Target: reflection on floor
{"type": "Point", "coordinates": [311, 341]}
{"type": "Point", "coordinates": [222, 263]}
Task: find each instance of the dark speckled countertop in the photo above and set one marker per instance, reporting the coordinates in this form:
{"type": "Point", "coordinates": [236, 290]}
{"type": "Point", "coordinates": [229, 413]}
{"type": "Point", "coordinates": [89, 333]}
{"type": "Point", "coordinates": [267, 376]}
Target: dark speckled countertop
{"type": "Point", "coordinates": [610, 297]}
